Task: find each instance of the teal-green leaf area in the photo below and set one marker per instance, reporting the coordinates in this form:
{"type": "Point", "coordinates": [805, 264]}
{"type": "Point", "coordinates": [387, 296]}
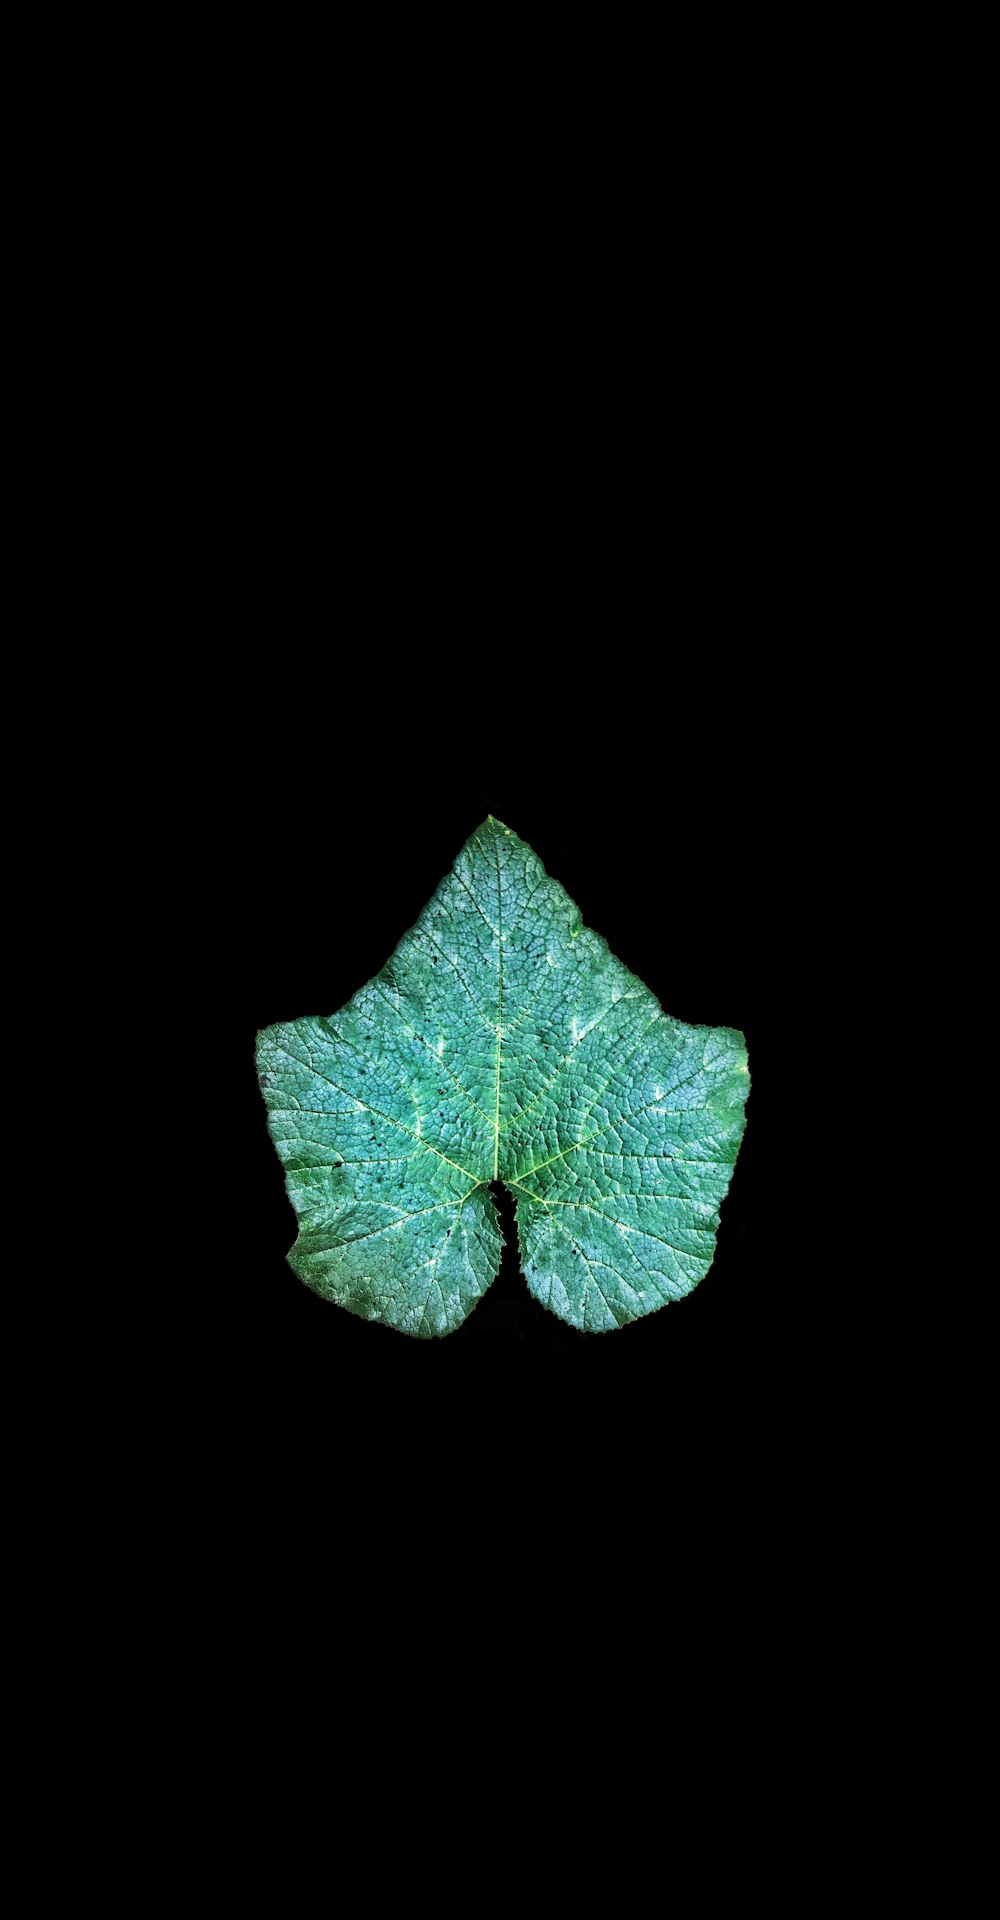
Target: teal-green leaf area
{"type": "Point", "coordinates": [503, 1041]}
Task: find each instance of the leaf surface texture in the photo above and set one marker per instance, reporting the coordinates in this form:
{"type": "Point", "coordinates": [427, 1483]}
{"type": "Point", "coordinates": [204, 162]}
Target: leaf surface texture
{"type": "Point", "coordinates": [503, 1041]}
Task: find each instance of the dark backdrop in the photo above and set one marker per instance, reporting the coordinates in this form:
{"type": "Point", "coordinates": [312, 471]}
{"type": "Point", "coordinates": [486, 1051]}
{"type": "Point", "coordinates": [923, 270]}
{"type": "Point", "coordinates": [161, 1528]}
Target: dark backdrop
{"type": "Point", "coordinates": [449, 536]}
{"type": "Point", "coordinates": [565, 546]}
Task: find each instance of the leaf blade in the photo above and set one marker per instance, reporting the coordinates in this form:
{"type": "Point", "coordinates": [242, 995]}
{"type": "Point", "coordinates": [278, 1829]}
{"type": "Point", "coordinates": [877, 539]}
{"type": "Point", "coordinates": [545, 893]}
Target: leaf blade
{"type": "Point", "coordinates": [503, 1040]}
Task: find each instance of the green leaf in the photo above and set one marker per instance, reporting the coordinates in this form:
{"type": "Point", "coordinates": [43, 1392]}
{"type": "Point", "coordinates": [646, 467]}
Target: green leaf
{"type": "Point", "coordinates": [503, 1041]}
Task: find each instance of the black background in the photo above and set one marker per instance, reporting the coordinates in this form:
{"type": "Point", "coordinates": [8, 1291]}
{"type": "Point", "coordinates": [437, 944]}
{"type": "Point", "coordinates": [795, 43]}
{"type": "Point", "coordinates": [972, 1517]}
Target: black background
{"type": "Point", "coordinates": [435, 535]}
{"type": "Point", "coordinates": [564, 535]}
